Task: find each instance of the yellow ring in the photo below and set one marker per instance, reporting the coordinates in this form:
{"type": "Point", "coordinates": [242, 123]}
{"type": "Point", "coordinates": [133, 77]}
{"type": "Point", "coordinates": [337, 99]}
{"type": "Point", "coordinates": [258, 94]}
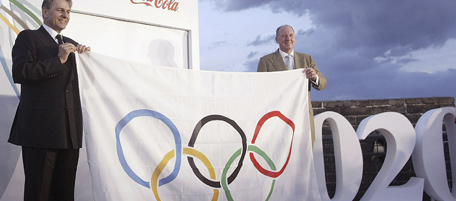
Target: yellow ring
{"type": "Point", "coordinates": [169, 156]}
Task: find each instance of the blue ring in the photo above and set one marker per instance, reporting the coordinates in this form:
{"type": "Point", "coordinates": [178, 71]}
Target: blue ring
{"type": "Point", "coordinates": [138, 113]}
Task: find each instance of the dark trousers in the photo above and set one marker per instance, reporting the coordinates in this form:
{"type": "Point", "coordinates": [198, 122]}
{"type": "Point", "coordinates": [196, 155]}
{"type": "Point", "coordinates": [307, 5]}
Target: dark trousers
{"type": "Point", "coordinates": [50, 174]}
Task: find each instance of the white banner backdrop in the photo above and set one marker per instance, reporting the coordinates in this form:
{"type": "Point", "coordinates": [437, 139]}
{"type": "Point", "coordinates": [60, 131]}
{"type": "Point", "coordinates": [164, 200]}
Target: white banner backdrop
{"type": "Point", "coordinates": [158, 133]}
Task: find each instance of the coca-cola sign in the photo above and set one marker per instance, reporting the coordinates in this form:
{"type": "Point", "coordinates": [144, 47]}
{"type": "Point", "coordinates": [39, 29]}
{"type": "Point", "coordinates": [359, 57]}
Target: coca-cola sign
{"type": "Point", "coordinates": [171, 5]}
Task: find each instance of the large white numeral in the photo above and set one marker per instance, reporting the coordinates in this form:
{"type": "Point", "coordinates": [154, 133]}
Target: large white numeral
{"type": "Point", "coordinates": [428, 157]}
{"type": "Point", "coordinates": [400, 139]}
{"type": "Point", "coordinates": [347, 153]}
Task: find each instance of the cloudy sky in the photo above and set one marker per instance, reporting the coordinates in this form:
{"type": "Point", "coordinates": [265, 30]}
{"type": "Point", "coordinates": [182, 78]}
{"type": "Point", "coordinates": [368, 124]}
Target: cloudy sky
{"type": "Point", "coordinates": [365, 49]}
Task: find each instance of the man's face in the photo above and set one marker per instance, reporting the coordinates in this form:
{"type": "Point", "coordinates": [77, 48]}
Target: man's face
{"type": "Point", "coordinates": [58, 16]}
{"type": "Point", "coordinates": [286, 39]}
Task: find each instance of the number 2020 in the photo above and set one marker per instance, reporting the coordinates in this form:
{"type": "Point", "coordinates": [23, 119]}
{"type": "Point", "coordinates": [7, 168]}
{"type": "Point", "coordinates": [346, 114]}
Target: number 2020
{"type": "Point", "coordinates": [423, 143]}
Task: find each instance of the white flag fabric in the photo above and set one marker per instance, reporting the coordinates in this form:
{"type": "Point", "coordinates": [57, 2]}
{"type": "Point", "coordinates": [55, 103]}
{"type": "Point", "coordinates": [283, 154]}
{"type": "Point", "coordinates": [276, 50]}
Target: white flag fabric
{"type": "Point", "coordinates": [160, 133]}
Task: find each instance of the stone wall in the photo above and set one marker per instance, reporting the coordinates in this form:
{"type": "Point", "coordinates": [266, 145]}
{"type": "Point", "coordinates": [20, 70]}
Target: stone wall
{"type": "Point", "coordinates": [374, 146]}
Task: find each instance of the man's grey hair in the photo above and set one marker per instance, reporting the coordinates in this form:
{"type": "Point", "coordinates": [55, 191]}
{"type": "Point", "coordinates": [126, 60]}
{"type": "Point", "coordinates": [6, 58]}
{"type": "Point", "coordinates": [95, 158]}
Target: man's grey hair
{"type": "Point", "coordinates": [278, 29]}
{"type": "Point", "coordinates": [47, 3]}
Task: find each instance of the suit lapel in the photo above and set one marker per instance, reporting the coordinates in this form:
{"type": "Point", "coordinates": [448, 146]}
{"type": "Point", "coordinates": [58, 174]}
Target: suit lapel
{"type": "Point", "coordinates": [298, 61]}
{"type": "Point", "coordinates": [47, 40]}
{"type": "Point", "coordinates": [277, 61]}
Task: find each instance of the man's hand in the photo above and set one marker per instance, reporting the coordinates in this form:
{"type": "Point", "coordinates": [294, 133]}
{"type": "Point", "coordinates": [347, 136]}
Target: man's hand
{"type": "Point", "coordinates": [82, 48]}
{"type": "Point", "coordinates": [310, 74]}
{"type": "Point", "coordinates": [65, 50]}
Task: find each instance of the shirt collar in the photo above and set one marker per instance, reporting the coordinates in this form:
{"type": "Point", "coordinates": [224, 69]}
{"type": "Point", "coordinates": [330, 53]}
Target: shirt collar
{"type": "Point", "coordinates": [51, 31]}
{"type": "Point", "coordinates": [285, 54]}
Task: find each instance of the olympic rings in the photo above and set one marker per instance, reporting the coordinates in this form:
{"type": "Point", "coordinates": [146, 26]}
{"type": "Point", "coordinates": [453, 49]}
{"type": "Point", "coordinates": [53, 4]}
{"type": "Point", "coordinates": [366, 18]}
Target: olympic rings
{"type": "Point", "coordinates": [223, 183]}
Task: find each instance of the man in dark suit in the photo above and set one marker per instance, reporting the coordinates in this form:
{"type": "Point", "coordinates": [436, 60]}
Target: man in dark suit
{"type": "Point", "coordinates": [48, 121]}
{"type": "Point", "coordinates": [285, 58]}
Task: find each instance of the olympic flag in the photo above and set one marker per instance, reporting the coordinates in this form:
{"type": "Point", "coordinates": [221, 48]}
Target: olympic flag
{"type": "Point", "coordinates": [160, 133]}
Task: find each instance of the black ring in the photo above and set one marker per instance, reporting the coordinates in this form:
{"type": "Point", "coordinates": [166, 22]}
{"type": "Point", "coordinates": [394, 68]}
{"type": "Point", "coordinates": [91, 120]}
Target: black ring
{"type": "Point", "coordinates": [191, 143]}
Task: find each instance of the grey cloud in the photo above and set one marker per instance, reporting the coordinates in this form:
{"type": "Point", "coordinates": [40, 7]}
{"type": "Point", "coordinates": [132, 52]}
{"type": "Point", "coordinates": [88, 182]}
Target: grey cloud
{"type": "Point", "coordinates": [259, 40]}
{"type": "Point", "coordinates": [238, 5]}
{"type": "Point", "coordinates": [305, 33]}
{"type": "Point", "coordinates": [251, 65]}
{"type": "Point", "coordinates": [252, 54]}
{"type": "Point", "coordinates": [217, 44]}
{"type": "Point", "coordinates": [386, 85]}
{"type": "Point", "coordinates": [406, 60]}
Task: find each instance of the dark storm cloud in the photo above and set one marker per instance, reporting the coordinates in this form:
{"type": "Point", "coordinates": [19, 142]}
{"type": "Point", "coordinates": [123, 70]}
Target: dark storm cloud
{"type": "Point", "coordinates": [400, 26]}
{"type": "Point", "coordinates": [349, 35]}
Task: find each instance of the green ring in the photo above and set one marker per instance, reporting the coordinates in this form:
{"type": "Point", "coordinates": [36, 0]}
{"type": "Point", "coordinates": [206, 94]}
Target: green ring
{"type": "Point", "coordinates": [251, 148]}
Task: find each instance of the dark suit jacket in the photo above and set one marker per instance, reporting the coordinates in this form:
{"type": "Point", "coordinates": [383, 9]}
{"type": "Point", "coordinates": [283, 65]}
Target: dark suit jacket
{"type": "Point", "coordinates": [49, 112]}
{"type": "Point", "coordinates": [274, 62]}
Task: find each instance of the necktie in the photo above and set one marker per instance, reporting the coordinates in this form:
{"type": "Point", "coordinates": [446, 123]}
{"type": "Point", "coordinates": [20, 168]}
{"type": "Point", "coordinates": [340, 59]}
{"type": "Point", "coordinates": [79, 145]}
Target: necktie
{"type": "Point", "coordinates": [59, 39]}
{"type": "Point", "coordinates": [290, 62]}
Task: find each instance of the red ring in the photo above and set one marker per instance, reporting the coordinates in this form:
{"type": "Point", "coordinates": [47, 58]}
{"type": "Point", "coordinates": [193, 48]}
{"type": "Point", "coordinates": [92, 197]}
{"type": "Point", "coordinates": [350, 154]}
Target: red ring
{"type": "Point", "coordinates": [257, 130]}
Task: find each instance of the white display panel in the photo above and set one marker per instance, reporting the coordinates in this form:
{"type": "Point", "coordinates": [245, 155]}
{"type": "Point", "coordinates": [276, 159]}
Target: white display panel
{"type": "Point", "coordinates": [131, 41]}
